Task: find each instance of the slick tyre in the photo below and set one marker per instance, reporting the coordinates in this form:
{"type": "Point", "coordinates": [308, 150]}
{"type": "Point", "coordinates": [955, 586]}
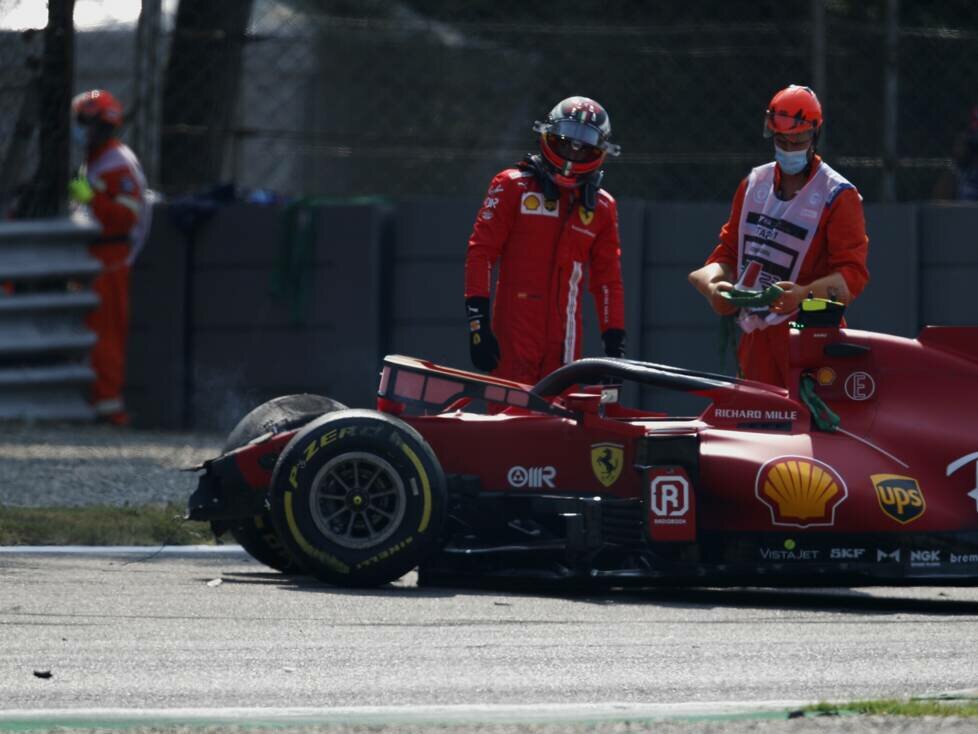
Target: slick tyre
{"type": "Point", "coordinates": [358, 498]}
{"type": "Point", "coordinates": [256, 534]}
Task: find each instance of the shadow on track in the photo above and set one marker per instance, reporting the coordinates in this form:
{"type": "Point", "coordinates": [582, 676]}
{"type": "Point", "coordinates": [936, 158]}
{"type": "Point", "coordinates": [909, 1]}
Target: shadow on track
{"type": "Point", "coordinates": [841, 600]}
{"type": "Point", "coordinates": [832, 600]}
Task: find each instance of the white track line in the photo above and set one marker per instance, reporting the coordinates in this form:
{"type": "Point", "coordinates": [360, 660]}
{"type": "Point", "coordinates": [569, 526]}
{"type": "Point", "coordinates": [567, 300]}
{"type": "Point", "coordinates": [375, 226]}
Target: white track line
{"type": "Point", "coordinates": [365, 715]}
{"type": "Point", "coordinates": [124, 550]}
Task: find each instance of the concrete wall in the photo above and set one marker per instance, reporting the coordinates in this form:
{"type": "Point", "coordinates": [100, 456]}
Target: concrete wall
{"type": "Point", "coordinates": [241, 312]}
{"type": "Point", "coordinates": [212, 336]}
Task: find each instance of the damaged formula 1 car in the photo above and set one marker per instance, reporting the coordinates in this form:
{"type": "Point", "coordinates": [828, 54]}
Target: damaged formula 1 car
{"type": "Point", "coordinates": [865, 471]}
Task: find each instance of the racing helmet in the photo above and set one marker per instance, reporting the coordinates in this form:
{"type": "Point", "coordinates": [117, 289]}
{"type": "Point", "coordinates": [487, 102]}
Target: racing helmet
{"type": "Point", "coordinates": [795, 109]}
{"type": "Point", "coordinates": [574, 140]}
{"type": "Point", "coordinates": [97, 106]}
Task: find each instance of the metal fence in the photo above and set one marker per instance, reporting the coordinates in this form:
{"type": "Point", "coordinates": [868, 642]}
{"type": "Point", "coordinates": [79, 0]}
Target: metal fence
{"type": "Point", "coordinates": [431, 97]}
{"type": "Point", "coordinates": [45, 294]}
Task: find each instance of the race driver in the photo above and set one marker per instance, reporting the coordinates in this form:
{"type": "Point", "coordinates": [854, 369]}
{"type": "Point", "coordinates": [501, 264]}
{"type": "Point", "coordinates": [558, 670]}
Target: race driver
{"type": "Point", "coordinates": [112, 186]}
{"type": "Point", "coordinates": [547, 221]}
{"type": "Point", "coordinates": [802, 222]}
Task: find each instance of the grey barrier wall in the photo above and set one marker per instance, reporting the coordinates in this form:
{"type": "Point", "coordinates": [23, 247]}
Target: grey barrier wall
{"type": "Point", "coordinates": [427, 307]}
{"type": "Point", "coordinates": [258, 301]}
{"type": "Point", "coordinates": [156, 368]}
{"type": "Point", "coordinates": [948, 272]}
{"type": "Point", "coordinates": [677, 326]}
{"type": "Point", "coordinates": [45, 277]}
{"type": "Point", "coordinates": [248, 309]}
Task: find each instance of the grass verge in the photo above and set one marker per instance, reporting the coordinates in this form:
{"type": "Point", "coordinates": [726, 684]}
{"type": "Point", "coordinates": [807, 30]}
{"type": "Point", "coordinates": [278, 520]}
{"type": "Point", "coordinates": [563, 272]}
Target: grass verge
{"type": "Point", "coordinates": [101, 525]}
{"type": "Point", "coordinates": [962, 707]}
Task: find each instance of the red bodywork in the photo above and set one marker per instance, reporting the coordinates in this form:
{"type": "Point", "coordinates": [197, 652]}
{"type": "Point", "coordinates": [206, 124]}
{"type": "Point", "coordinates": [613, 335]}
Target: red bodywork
{"type": "Point", "coordinates": [752, 486]}
{"type": "Point", "coordinates": [908, 410]}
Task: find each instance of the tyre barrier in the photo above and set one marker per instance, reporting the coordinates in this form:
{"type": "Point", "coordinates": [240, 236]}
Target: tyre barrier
{"type": "Point", "coordinates": [46, 273]}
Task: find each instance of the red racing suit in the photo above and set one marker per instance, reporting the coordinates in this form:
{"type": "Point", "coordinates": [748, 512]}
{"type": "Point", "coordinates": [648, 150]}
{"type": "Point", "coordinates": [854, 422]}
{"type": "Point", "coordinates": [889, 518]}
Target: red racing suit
{"type": "Point", "coordinates": [120, 207]}
{"type": "Point", "coordinates": [839, 244]}
{"type": "Point", "coordinates": [542, 249]}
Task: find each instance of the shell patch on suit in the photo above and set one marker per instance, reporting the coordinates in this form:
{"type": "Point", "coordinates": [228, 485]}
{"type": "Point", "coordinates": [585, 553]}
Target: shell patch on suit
{"type": "Point", "coordinates": [532, 202]}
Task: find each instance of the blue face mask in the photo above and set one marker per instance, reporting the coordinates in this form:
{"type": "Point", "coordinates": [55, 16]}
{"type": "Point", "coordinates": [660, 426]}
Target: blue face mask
{"type": "Point", "coordinates": [791, 161]}
{"type": "Point", "coordinates": [79, 134]}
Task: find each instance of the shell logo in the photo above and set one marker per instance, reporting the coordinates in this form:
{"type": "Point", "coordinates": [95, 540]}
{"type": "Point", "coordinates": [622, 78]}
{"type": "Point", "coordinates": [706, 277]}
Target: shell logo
{"type": "Point", "coordinates": [532, 203]}
{"type": "Point", "coordinates": [825, 376]}
{"type": "Point", "coordinates": [800, 492]}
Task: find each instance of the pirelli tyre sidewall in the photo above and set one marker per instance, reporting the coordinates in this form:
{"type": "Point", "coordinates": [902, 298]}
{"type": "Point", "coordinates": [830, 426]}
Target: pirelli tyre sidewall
{"type": "Point", "coordinates": [256, 534]}
{"type": "Point", "coordinates": [358, 498]}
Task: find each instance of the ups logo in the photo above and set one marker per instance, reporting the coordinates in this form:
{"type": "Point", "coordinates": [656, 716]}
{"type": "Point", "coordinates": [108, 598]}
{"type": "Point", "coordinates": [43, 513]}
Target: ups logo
{"type": "Point", "coordinates": [900, 497]}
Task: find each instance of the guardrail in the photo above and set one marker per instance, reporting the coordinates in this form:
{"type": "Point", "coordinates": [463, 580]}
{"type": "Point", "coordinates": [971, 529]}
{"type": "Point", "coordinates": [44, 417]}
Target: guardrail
{"type": "Point", "coordinates": [45, 278]}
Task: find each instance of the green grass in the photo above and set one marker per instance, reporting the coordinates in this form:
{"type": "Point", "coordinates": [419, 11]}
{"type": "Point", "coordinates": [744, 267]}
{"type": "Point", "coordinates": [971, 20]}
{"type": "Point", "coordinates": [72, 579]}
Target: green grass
{"type": "Point", "coordinates": [100, 525]}
{"type": "Point", "coordinates": [967, 707]}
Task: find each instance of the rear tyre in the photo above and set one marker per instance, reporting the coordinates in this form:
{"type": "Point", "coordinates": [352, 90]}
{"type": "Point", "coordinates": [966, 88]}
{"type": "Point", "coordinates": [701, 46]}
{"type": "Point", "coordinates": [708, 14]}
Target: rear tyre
{"type": "Point", "coordinates": [358, 498]}
{"type": "Point", "coordinates": [256, 534]}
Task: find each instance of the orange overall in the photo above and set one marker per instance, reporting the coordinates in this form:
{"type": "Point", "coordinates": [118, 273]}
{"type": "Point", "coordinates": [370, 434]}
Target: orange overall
{"type": "Point", "coordinates": [839, 245]}
{"type": "Point", "coordinates": [119, 185]}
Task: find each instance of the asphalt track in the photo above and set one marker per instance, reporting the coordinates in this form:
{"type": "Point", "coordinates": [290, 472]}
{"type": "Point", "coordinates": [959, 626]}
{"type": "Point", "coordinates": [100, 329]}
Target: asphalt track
{"type": "Point", "coordinates": [218, 638]}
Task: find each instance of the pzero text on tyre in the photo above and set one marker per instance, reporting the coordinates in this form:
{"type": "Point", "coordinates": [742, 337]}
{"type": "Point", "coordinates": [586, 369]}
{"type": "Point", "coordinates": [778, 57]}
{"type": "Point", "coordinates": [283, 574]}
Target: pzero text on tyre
{"type": "Point", "coordinates": [256, 534]}
{"type": "Point", "coordinates": [358, 498]}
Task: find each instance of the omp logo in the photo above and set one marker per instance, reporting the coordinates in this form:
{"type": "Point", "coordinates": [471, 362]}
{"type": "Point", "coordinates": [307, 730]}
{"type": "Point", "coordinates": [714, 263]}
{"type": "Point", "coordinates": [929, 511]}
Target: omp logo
{"type": "Point", "coordinates": [606, 462]}
{"type": "Point", "coordinates": [925, 557]}
{"type": "Point", "coordinates": [899, 497]}
{"type": "Point", "coordinates": [534, 477]}
{"type": "Point", "coordinates": [532, 203]}
{"type": "Point", "coordinates": [669, 496]}
{"type": "Point", "coordinates": [800, 492]}
{"type": "Point", "coordinates": [847, 554]}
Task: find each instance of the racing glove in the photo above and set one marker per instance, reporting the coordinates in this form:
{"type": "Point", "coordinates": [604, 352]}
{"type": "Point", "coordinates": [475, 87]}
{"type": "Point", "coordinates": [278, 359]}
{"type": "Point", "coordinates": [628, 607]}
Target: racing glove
{"type": "Point", "coordinates": [483, 347]}
{"type": "Point", "coordinates": [80, 190]}
{"type": "Point", "coordinates": [614, 342]}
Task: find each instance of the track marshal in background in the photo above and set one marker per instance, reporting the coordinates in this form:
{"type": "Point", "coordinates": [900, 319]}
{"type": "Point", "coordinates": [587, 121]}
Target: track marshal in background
{"type": "Point", "coordinates": [112, 186]}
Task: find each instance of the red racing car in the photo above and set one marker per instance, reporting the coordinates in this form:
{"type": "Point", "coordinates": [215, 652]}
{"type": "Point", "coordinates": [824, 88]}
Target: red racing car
{"type": "Point", "coordinates": [864, 472]}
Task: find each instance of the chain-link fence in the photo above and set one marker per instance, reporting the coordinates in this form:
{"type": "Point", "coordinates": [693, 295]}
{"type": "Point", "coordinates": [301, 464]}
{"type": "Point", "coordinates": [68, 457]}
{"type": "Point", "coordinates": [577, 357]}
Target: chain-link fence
{"type": "Point", "coordinates": [432, 97]}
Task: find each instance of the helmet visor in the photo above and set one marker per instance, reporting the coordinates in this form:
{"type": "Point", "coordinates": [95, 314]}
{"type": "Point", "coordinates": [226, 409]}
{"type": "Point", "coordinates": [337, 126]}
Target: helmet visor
{"type": "Point", "coordinates": [577, 131]}
{"type": "Point", "coordinates": [572, 149]}
{"type": "Point", "coordinates": [780, 122]}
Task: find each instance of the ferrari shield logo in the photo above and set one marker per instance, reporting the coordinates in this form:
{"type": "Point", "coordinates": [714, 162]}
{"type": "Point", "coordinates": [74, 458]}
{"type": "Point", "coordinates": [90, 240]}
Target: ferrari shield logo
{"type": "Point", "coordinates": [900, 497]}
{"type": "Point", "coordinates": [607, 460]}
{"type": "Point", "coordinates": [586, 216]}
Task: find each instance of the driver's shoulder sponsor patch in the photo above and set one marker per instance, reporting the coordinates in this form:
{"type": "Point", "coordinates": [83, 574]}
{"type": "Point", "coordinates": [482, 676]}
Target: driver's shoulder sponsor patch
{"type": "Point", "coordinates": [532, 202]}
